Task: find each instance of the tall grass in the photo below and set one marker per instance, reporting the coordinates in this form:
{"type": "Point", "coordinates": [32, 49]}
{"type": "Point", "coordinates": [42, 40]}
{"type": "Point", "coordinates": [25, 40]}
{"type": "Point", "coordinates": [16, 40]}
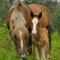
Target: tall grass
{"type": "Point", "coordinates": [8, 51]}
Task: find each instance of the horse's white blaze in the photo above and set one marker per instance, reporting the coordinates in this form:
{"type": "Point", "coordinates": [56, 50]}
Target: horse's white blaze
{"type": "Point", "coordinates": [34, 21]}
{"type": "Point", "coordinates": [21, 41]}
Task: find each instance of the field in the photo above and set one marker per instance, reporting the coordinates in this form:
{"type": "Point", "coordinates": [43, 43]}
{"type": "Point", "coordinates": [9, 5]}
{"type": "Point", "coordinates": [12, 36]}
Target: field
{"type": "Point", "coordinates": [8, 51]}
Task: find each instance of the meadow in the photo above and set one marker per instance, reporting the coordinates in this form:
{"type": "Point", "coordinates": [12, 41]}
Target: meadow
{"type": "Point", "coordinates": [8, 50]}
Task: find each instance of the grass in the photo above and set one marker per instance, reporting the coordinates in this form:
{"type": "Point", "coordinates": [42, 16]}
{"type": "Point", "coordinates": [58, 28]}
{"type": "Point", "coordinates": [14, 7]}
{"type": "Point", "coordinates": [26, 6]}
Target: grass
{"type": "Point", "coordinates": [56, 46]}
{"type": "Point", "coordinates": [8, 51]}
{"type": "Point", "coordinates": [7, 47]}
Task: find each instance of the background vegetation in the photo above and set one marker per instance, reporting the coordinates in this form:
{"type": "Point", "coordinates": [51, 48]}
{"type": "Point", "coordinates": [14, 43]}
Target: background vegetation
{"type": "Point", "coordinates": [7, 47]}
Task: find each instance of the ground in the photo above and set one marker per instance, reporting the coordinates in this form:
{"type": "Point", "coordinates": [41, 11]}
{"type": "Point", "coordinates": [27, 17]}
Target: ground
{"type": "Point", "coordinates": [8, 50]}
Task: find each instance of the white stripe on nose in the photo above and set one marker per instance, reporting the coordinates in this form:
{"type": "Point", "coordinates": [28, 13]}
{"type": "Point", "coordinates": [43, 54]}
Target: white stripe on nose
{"type": "Point", "coordinates": [34, 21]}
{"type": "Point", "coordinates": [21, 41]}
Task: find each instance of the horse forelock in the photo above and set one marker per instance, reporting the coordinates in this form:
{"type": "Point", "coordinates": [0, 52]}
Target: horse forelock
{"type": "Point", "coordinates": [37, 8]}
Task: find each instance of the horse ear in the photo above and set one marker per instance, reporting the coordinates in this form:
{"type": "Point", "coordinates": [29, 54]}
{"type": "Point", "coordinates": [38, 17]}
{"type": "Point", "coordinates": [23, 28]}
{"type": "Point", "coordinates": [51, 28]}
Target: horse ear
{"type": "Point", "coordinates": [32, 15]}
{"type": "Point", "coordinates": [40, 14]}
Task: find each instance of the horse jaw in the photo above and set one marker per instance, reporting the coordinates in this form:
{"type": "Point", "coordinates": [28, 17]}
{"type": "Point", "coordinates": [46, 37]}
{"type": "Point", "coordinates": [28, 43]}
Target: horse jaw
{"type": "Point", "coordinates": [34, 21]}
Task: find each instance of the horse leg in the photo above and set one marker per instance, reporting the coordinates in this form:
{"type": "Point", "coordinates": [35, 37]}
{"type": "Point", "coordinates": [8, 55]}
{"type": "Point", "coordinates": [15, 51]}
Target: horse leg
{"type": "Point", "coordinates": [44, 51]}
{"type": "Point", "coordinates": [49, 49]}
{"type": "Point", "coordinates": [50, 31]}
{"type": "Point", "coordinates": [30, 44]}
{"type": "Point", "coordinates": [37, 53]}
{"type": "Point", "coordinates": [43, 54]}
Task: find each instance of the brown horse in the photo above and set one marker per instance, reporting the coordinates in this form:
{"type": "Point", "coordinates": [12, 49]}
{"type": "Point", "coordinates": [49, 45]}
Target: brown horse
{"type": "Point", "coordinates": [17, 21]}
{"type": "Point", "coordinates": [40, 38]}
{"type": "Point", "coordinates": [41, 44]}
{"type": "Point", "coordinates": [40, 17]}
{"type": "Point", "coordinates": [46, 16]}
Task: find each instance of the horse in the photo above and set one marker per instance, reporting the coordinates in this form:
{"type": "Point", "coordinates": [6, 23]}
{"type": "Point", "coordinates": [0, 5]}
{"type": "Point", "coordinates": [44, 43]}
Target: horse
{"type": "Point", "coordinates": [17, 20]}
{"type": "Point", "coordinates": [41, 44]}
{"type": "Point", "coordinates": [40, 39]}
{"type": "Point", "coordinates": [40, 17]}
{"type": "Point", "coordinates": [23, 8]}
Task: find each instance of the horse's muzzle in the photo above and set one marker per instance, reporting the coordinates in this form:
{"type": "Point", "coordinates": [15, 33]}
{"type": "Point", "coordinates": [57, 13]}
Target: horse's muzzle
{"type": "Point", "coordinates": [23, 54]}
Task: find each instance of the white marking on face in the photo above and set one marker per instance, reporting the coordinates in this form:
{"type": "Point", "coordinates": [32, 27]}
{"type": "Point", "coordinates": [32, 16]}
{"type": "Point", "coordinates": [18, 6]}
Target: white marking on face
{"type": "Point", "coordinates": [34, 21]}
{"type": "Point", "coordinates": [21, 41]}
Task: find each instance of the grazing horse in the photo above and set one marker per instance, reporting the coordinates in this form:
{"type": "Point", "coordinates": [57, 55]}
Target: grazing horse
{"type": "Point", "coordinates": [43, 19]}
{"type": "Point", "coordinates": [17, 21]}
{"type": "Point", "coordinates": [23, 8]}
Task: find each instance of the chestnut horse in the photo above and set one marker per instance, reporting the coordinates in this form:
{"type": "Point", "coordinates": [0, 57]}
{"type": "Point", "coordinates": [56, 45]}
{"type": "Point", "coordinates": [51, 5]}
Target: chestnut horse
{"type": "Point", "coordinates": [40, 18]}
{"type": "Point", "coordinates": [17, 20]}
{"type": "Point", "coordinates": [26, 19]}
{"type": "Point", "coordinates": [41, 44]}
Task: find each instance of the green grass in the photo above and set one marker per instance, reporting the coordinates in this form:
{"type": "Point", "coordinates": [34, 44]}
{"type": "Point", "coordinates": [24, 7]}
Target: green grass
{"type": "Point", "coordinates": [56, 46]}
{"type": "Point", "coordinates": [8, 51]}
{"type": "Point", "coordinates": [7, 47]}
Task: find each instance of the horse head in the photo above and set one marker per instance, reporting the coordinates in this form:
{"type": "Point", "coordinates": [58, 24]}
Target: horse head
{"type": "Point", "coordinates": [21, 37]}
{"type": "Point", "coordinates": [35, 22]}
